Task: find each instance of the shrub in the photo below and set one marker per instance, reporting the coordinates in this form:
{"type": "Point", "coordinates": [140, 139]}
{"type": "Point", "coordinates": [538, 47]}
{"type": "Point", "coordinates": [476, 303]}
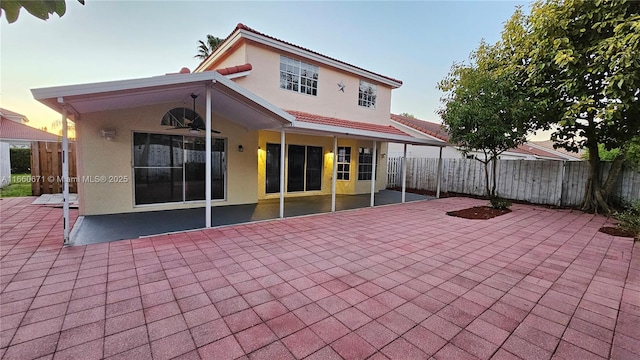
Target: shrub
{"type": "Point", "coordinates": [629, 219]}
{"type": "Point", "coordinates": [500, 203]}
{"type": "Point", "coordinates": [20, 160]}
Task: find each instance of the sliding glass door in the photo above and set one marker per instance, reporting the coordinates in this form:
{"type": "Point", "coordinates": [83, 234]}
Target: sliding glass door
{"type": "Point", "coordinates": [171, 168]}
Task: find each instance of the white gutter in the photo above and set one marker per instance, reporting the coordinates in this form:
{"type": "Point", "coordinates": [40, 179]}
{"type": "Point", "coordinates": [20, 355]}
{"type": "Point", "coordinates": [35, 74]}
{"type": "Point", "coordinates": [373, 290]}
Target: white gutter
{"type": "Point", "coordinates": [237, 75]}
{"type": "Point", "coordinates": [120, 85]}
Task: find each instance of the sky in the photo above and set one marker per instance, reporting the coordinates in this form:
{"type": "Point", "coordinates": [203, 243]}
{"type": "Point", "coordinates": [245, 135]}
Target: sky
{"type": "Point", "coordinates": [416, 42]}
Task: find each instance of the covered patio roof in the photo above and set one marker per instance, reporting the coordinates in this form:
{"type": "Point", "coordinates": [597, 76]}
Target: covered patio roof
{"type": "Point", "coordinates": [222, 97]}
{"type": "Point", "coordinates": [227, 98]}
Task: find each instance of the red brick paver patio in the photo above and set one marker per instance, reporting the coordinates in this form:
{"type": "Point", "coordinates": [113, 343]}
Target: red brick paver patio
{"type": "Point", "coordinates": [397, 282]}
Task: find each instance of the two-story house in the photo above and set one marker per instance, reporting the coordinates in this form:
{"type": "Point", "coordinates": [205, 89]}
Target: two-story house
{"type": "Point", "coordinates": [283, 121]}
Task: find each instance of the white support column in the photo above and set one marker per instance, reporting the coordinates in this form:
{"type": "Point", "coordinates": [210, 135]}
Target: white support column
{"type": "Point", "coordinates": [335, 174]}
{"type": "Point", "coordinates": [65, 177]}
{"type": "Point", "coordinates": [439, 174]}
{"type": "Point", "coordinates": [282, 158]}
{"type": "Point", "coordinates": [404, 175]}
{"type": "Point", "coordinates": [207, 176]}
{"type": "Point", "coordinates": [373, 173]}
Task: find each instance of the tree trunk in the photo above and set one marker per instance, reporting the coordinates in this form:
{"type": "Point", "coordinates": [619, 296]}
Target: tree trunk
{"type": "Point", "coordinates": [486, 177]}
{"type": "Point", "coordinates": [594, 199]}
{"type": "Point", "coordinates": [614, 173]}
{"type": "Point", "coordinates": [495, 176]}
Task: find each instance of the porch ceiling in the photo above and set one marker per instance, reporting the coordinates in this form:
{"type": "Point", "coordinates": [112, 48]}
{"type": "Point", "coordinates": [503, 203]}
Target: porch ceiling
{"type": "Point", "coordinates": [227, 99]}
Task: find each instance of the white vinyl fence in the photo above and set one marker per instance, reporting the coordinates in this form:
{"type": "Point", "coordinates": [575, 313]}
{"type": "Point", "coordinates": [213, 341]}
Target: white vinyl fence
{"type": "Point", "coordinates": [560, 183]}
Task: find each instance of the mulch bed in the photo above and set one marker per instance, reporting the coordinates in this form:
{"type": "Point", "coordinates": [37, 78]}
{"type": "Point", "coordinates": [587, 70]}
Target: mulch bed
{"type": "Point", "coordinates": [614, 231]}
{"type": "Point", "coordinates": [479, 213]}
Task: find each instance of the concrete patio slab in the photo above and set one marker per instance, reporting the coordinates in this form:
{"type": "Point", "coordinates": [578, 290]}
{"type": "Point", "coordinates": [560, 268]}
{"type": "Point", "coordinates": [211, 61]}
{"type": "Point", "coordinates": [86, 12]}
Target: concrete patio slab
{"type": "Point", "coordinates": [56, 200]}
{"type": "Point", "coordinates": [104, 228]}
{"type": "Point", "coordinates": [394, 282]}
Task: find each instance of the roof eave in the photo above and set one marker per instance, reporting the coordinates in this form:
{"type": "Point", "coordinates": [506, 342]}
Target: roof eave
{"type": "Point", "coordinates": [338, 130]}
{"type": "Point", "coordinates": [273, 43]}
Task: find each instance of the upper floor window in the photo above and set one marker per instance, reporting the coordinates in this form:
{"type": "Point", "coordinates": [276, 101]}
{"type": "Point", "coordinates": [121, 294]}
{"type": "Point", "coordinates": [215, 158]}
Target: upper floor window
{"type": "Point", "coordinates": [298, 76]}
{"type": "Point", "coordinates": [367, 95]}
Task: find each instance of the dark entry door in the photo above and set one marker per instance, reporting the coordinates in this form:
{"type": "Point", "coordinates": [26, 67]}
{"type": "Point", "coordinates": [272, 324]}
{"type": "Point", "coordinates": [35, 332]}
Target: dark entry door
{"type": "Point", "coordinates": [314, 168]}
{"type": "Point", "coordinates": [296, 168]}
{"type": "Point", "coordinates": [273, 168]}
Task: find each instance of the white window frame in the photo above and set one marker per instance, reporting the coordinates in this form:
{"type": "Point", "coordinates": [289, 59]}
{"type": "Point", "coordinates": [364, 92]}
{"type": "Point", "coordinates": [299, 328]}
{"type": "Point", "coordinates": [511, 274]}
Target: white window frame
{"type": "Point", "coordinates": [342, 161]}
{"type": "Point", "coordinates": [365, 175]}
{"type": "Point", "coordinates": [298, 76]}
{"type": "Point", "coordinates": [367, 94]}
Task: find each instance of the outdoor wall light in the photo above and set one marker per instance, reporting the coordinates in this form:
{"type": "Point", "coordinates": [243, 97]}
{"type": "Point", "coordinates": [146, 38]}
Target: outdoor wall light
{"type": "Point", "coordinates": [108, 134]}
{"type": "Point", "coordinates": [240, 148]}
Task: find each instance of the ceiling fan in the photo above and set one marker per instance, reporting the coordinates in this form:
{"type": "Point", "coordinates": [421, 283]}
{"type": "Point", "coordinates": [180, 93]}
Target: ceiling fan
{"type": "Point", "coordinates": [188, 119]}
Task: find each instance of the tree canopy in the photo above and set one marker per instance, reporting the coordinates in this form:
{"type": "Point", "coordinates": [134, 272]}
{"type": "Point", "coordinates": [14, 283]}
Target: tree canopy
{"type": "Point", "coordinates": [570, 65]}
{"type": "Point", "coordinates": [205, 48]}
{"type": "Point", "coordinates": [579, 60]}
{"type": "Point", "coordinates": [483, 108]}
{"type": "Point", "coordinates": [38, 8]}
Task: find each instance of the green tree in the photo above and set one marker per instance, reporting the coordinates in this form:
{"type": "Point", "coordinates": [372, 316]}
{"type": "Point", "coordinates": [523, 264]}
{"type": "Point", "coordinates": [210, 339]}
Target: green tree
{"type": "Point", "coordinates": [205, 48]}
{"type": "Point", "coordinates": [579, 60]}
{"type": "Point", "coordinates": [483, 108]}
{"type": "Point", "coordinates": [409, 115]}
{"type": "Point", "coordinates": [630, 152]}
{"type": "Point", "coordinates": [38, 8]}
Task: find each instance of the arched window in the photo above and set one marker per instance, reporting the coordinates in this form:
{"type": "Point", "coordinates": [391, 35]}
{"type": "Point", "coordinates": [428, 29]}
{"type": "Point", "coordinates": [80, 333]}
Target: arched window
{"type": "Point", "coordinates": [182, 117]}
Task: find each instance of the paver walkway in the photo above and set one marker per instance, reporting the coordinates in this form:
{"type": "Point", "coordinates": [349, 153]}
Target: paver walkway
{"type": "Point", "coordinates": [398, 282]}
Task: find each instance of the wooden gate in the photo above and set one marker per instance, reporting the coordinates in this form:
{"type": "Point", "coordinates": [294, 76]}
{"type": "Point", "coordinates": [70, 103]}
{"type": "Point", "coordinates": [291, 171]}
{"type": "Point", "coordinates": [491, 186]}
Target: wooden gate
{"type": "Point", "coordinates": [46, 168]}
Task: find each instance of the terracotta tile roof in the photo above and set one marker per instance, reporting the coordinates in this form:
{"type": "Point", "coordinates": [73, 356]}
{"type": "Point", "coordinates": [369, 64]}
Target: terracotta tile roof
{"type": "Point", "coordinates": [325, 120]}
{"type": "Point", "coordinates": [429, 128]}
{"type": "Point", "coordinates": [11, 115]}
{"type": "Point", "coordinates": [242, 26]}
{"type": "Point", "coordinates": [531, 150]}
{"type": "Point", "coordinates": [234, 69]}
{"type": "Point", "coordinates": [548, 144]}
{"type": "Point", "coordinates": [11, 130]}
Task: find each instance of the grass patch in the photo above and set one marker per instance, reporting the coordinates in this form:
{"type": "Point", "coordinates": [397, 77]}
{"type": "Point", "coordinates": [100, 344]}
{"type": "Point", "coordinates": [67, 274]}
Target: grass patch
{"type": "Point", "coordinates": [20, 186]}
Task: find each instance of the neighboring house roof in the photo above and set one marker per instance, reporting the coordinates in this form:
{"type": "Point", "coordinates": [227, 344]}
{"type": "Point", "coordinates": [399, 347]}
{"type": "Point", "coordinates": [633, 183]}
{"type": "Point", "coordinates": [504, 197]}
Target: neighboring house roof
{"type": "Point", "coordinates": [13, 116]}
{"type": "Point", "coordinates": [536, 149]}
{"type": "Point", "coordinates": [243, 31]}
{"type": "Point", "coordinates": [427, 127]}
{"type": "Point", "coordinates": [325, 120]}
{"type": "Point", "coordinates": [11, 130]}
{"type": "Point", "coordinates": [548, 145]}
{"type": "Point", "coordinates": [529, 149]}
